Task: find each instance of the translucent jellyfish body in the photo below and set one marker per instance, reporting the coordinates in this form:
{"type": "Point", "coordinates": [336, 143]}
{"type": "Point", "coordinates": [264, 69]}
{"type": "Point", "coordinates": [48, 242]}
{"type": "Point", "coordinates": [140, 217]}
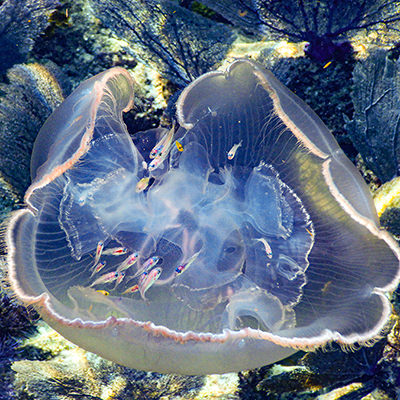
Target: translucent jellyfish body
{"type": "Point", "coordinates": [227, 242]}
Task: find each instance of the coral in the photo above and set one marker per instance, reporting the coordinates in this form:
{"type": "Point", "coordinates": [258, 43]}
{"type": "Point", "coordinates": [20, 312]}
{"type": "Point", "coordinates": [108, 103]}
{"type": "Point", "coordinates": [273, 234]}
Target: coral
{"type": "Point", "coordinates": [8, 349]}
{"type": "Point", "coordinates": [32, 93]}
{"type": "Point", "coordinates": [79, 44]}
{"type": "Point", "coordinates": [20, 23]}
{"type": "Point", "coordinates": [71, 372]}
{"type": "Point", "coordinates": [178, 43]}
{"type": "Point", "coordinates": [387, 196]}
{"type": "Point", "coordinates": [242, 13]}
{"type": "Point", "coordinates": [390, 220]}
{"type": "Point", "coordinates": [374, 130]}
{"type": "Point", "coordinates": [16, 323]}
{"type": "Point", "coordinates": [82, 46]}
{"type": "Point", "coordinates": [344, 375]}
{"type": "Point", "coordinates": [15, 320]}
{"type": "Point", "coordinates": [321, 23]}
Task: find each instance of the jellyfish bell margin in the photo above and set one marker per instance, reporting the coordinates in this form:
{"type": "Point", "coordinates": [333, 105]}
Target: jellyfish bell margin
{"type": "Point", "coordinates": [242, 260]}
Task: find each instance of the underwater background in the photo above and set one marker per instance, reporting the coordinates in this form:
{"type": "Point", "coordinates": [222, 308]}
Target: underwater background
{"type": "Point", "coordinates": [340, 57]}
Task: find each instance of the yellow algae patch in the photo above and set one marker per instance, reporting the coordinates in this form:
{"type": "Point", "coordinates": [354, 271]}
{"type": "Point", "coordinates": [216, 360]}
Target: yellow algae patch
{"type": "Point", "coordinates": [287, 49]}
{"type": "Point", "coordinates": [338, 393]}
{"type": "Point", "coordinates": [114, 388]}
{"type": "Point", "coordinates": [156, 90]}
{"type": "Point", "coordinates": [218, 387]}
{"type": "Point", "coordinates": [242, 48]}
{"type": "Point", "coordinates": [278, 369]}
{"type": "Point", "coordinates": [48, 340]}
{"type": "Point", "coordinates": [72, 371]}
{"type": "Point", "coordinates": [377, 394]}
{"type": "Point", "coordinates": [388, 195]}
{"type": "Point", "coordinates": [46, 83]}
{"type": "Point", "coordinates": [66, 375]}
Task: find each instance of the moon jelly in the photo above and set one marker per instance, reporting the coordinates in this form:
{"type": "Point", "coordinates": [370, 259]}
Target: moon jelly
{"type": "Point", "coordinates": [226, 242]}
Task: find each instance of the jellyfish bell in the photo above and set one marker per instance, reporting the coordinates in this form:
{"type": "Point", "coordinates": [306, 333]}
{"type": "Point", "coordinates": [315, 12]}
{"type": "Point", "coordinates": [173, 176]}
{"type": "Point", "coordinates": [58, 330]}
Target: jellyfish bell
{"type": "Point", "coordinates": [244, 259]}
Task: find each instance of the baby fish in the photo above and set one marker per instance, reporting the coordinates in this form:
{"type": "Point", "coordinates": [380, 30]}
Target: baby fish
{"type": "Point", "coordinates": [132, 289]}
{"type": "Point", "coordinates": [268, 249]}
{"type": "Point", "coordinates": [106, 278]}
{"type": "Point", "coordinates": [116, 251]}
{"type": "Point", "coordinates": [128, 262]}
{"type": "Point", "coordinates": [120, 276]}
{"type": "Point", "coordinates": [98, 268]}
{"type": "Point", "coordinates": [151, 262]}
{"type": "Point", "coordinates": [233, 150]}
{"type": "Point", "coordinates": [186, 265]}
{"type": "Point", "coordinates": [178, 146]}
{"type": "Point", "coordinates": [163, 145]}
{"type": "Point", "coordinates": [147, 280]}
{"type": "Point", "coordinates": [157, 162]}
{"type": "Point", "coordinates": [142, 184]}
{"type": "Point", "coordinates": [155, 150]}
{"type": "Point", "coordinates": [99, 250]}
{"type": "Point", "coordinates": [179, 269]}
{"type": "Point", "coordinates": [103, 292]}
{"type": "Point", "coordinates": [162, 153]}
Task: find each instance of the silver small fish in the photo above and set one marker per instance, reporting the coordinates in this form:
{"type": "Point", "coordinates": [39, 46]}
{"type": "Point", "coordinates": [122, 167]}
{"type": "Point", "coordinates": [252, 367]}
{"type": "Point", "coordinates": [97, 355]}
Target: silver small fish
{"type": "Point", "coordinates": [107, 278]}
{"type": "Point", "coordinates": [147, 280]}
{"type": "Point", "coordinates": [115, 251]}
{"type": "Point", "coordinates": [267, 247]}
{"type": "Point", "coordinates": [97, 268]}
{"type": "Point", "coordinates": [151, 262]}
{"type": "Point", "coordinates": [99, 251]}
{"type": "Point", "coordinates": [233, 150]}
{"type": "Point", "coordinates": [186, 265]}
{"type": "Point", "coordinates": [128, 262]}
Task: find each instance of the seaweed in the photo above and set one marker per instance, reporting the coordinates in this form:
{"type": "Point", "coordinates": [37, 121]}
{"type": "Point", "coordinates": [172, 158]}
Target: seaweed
{"type": "Point", "coordinates": [374, 129]}
{"type": "Point", "coordinates": [324, 24]}
{"type": "Point", "coordinates": [32, 93]}
{"type": "Point", "coordinates": [180, 44]}
{"type": "Point", "coordinates": [21, 22]}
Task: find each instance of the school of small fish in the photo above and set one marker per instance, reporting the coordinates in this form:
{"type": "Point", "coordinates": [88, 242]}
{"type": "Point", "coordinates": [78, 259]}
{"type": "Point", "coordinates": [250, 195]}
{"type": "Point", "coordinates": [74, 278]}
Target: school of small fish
{"type": "Point", "coordinates": [146, 272]}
